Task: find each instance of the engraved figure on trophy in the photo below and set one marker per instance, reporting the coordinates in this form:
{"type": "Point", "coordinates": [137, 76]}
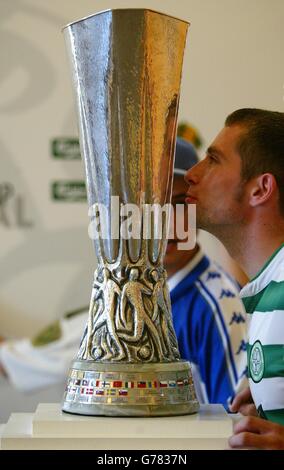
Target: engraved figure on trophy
{"type": "Point", "coordinates": [161, 312]}
{"type": "Point", "coordinates": [95, 309]}
{"type": "Point", "coordinates": [104, 342]}
{"type": "Point", "coordinates": [132, 294]}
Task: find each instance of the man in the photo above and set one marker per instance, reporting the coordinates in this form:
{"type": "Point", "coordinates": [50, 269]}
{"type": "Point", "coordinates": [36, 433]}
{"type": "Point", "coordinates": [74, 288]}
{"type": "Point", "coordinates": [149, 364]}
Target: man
{"type": "Point", "coordinates": [208, 317]}
{"type": "Point", "coordinates": [238, 190]}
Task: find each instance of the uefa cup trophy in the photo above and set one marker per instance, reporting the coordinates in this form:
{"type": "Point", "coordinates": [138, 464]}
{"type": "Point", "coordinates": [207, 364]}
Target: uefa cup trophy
{"type": "Point", "coordinates": [126, 67]}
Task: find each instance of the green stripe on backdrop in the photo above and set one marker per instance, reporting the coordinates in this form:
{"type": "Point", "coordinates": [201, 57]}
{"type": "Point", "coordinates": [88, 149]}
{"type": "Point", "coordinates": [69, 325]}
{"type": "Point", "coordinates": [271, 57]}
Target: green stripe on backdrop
{"type": "Point", "coordinates": [269, 299]}
{"type": "Point", "coordinates": [273, 360]}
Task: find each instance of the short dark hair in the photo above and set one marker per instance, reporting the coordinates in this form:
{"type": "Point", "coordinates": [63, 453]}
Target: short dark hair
{"type": "Point", "coordinates": [261, 146]}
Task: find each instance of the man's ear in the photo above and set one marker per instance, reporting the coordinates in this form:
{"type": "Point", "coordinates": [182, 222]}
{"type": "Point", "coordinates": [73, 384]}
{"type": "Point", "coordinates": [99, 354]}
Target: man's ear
{"type": "Point", "coordinates": [262, 189]}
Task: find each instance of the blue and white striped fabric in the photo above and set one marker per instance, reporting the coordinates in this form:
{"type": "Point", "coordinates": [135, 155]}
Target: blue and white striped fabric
{"type": "Point", "coordinates": [210, 323]}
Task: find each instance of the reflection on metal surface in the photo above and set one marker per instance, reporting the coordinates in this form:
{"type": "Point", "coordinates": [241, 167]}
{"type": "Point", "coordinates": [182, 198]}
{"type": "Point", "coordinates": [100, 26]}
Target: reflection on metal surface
{"type": "Point", "coordinates": [127, 70]}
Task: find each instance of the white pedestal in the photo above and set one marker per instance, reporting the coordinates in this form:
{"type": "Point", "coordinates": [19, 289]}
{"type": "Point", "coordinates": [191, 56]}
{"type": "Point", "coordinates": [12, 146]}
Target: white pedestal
{"type": "Point", "coordinates": [50, 428]}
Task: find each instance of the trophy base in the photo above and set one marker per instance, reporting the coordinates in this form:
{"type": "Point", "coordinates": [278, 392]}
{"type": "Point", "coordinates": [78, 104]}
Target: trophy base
{"type": "Point", "coordinates": [120, 389]}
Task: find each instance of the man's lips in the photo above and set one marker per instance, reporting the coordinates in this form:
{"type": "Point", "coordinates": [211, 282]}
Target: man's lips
{"type": "Point", "coordinates": [190, 199]}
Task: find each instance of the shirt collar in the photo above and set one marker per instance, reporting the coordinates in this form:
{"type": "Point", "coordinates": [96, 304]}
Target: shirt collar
{"type": "Point", "coordinates": [176, 278]}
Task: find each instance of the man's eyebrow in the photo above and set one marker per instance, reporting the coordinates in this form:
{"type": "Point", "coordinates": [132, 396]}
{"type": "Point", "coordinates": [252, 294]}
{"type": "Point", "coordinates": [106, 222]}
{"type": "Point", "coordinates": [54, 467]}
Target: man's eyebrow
{"type": "Point", "coordinates": [215, 151]}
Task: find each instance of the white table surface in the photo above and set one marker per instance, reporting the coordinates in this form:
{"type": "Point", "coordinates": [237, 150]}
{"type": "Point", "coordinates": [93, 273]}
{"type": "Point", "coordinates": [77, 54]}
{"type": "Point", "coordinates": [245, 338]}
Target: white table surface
{"type": "Point", "coordinates": [50, 428]}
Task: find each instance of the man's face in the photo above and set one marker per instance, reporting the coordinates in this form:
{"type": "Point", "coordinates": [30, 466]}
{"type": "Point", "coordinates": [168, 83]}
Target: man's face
{"type": "Point", "coordinates": [174, 256]}
{"type": "Point", "coordinates": [215, 184]}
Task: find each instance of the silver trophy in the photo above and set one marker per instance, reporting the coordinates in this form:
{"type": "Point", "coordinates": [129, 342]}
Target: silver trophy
{"type": "Point", "coordinates": [126, 72]}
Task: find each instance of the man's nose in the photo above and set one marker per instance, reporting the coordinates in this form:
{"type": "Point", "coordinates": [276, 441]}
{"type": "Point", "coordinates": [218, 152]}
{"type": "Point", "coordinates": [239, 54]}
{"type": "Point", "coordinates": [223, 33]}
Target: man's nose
{"type": "Point", "coordinates": [191, 175]}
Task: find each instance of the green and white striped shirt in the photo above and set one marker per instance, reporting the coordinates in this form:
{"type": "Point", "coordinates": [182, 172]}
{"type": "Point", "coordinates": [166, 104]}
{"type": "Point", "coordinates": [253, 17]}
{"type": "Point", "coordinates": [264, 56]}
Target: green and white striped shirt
{"type": "Point", "coordinates": [263, 298]}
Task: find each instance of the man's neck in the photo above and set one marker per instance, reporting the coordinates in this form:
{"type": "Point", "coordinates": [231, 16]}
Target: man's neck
{"type": "Point", "coordinates": [188, 256]}
{"type": "Point", "coordinates": [253, 245]}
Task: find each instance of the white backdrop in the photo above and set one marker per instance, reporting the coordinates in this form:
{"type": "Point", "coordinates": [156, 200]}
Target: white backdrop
{"type": "Point", "coordinates": [234, 58]}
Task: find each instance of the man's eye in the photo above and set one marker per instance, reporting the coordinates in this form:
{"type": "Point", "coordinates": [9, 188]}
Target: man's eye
{"type": "Point", "coordinates": [212, 158]}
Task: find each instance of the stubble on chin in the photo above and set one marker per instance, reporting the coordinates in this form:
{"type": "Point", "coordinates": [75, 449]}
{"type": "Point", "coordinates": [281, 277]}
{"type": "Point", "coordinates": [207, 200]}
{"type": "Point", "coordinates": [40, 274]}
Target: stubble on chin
{"type": "Point", "coordinates": [202, 221]}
